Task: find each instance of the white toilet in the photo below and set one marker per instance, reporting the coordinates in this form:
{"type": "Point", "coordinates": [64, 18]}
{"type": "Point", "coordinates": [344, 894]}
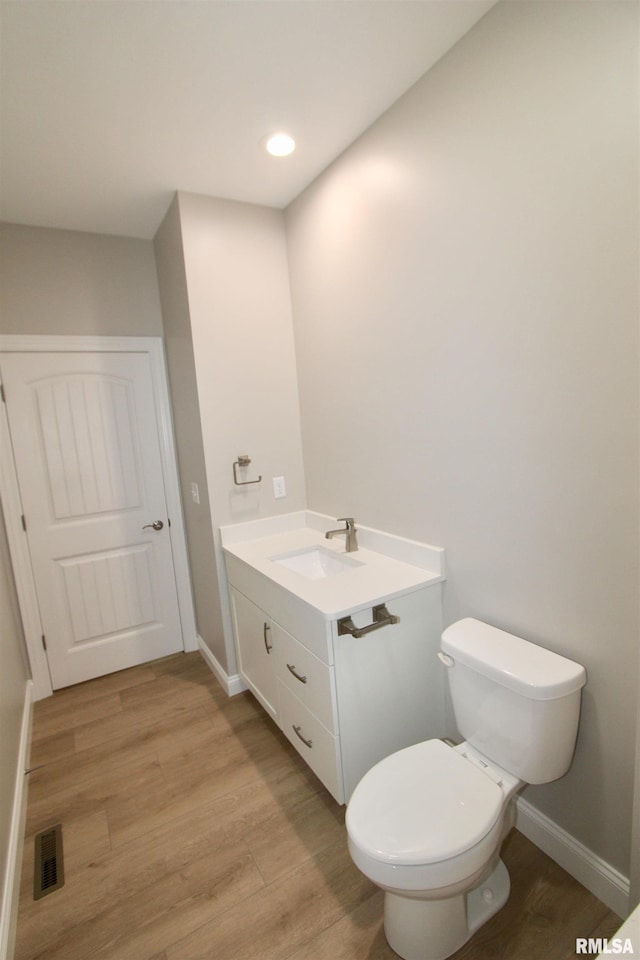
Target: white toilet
{"type": "Point", "coordinates": [426, 824]}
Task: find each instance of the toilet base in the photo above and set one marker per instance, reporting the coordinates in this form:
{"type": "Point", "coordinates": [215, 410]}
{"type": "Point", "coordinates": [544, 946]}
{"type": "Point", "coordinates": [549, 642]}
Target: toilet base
{"type": "Point", "coordinates": [434, 929]}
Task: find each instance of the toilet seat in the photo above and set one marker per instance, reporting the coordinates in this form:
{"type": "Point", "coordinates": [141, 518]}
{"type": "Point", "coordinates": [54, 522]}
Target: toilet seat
{"type": "Point", "coordinates": [423, 805]}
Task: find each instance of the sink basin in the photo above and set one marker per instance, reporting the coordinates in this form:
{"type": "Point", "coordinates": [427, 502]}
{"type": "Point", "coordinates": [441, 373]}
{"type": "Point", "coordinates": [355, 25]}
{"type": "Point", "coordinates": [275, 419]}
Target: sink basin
{"type": "Point", "coordinates": [316, 563]}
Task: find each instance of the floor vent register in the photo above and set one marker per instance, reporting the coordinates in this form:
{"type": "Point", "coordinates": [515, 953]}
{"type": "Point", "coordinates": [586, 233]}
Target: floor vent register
{"type": "Point", "coordinates": [49, 862]}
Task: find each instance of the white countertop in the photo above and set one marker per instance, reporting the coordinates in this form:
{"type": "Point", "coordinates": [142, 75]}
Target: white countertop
{"type": "Point", "coordinates": [378, 577]}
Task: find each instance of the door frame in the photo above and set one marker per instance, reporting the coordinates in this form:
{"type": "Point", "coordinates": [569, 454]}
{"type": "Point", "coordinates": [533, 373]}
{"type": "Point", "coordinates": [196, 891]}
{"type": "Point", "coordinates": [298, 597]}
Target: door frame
{"type": "Point", "coordinates": [12, 505]}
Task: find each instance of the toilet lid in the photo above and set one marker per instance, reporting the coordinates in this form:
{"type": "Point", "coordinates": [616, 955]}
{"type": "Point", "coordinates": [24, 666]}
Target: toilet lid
{"type": "Point", "coordinates": [424, 804]}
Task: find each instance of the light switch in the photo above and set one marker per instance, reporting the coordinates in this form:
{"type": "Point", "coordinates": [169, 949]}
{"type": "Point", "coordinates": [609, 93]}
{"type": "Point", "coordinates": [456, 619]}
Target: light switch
{"type": "Point", "coordinates": [195, 493]}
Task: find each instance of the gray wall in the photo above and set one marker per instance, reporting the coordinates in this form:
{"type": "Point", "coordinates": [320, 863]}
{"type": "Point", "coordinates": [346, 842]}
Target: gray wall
{"type": "Point", "coordinates": [238, 284]}
{"type": "Point", "coordinates": [64, 282]}
{"type": "Point", "coordinates": [465, 299]}
{"type": "Point", "coordinates": [235, 263]}
{"type": "Point", "coordinates": [13, 679]}
{"type": "Point", "coordinates": [187, 426]}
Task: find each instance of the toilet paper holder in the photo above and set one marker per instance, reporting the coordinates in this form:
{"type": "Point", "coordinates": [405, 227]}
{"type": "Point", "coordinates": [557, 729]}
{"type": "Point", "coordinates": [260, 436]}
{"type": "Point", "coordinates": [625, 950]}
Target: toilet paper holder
{"type": "Point", "coordinates": [242, 461]}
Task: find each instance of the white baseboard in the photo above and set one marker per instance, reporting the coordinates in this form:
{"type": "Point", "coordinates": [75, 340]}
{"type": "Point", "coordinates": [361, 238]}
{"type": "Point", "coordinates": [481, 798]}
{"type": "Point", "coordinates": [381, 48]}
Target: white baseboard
{"type": "Point", "coordinates": [594, 873]}
{"type": "Point", "coordinates": [232, 684]}
{"type": "Point", "coordinates": [11, 887]}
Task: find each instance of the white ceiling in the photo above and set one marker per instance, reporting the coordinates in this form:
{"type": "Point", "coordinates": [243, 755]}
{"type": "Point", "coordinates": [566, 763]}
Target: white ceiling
{"type": "Point", "coordinates": [109, 106]}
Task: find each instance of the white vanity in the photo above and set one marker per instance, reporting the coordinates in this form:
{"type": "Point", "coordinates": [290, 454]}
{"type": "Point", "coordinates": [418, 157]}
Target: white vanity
{"type": "Point", "coordinates": [339, 648]}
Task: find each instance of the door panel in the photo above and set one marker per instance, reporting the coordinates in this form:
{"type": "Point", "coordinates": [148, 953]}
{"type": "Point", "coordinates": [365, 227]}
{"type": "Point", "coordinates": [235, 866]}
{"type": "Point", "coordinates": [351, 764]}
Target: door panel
{"type": "Point", "coordinates": [109, 592]}
{"type": "Point", "coordinates": [84, 433]}
{"type": "Point", "coordinates": [89, 444]}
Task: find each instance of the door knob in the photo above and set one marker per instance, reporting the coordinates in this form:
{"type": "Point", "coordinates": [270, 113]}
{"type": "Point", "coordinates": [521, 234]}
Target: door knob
{"type": "Point", "coordinates": [157, 525]}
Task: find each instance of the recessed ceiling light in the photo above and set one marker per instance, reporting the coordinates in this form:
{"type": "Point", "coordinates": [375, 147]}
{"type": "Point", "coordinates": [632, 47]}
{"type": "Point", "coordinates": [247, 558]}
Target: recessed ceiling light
{"type": "Point", "coordinates": [280, 145]}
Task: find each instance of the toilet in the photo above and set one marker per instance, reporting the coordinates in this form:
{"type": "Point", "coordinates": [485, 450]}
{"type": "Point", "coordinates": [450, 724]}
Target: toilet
{"type": "Point", "coordinates": [426, 824]}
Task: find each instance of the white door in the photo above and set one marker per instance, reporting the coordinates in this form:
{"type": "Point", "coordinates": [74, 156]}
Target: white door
{"type": "Point", "coordinates": [85, 441]}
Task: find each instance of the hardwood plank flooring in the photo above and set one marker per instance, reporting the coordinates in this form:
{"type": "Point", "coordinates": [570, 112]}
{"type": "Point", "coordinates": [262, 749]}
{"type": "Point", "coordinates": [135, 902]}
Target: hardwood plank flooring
{"type": "Point", "coordinates": [192, 831]}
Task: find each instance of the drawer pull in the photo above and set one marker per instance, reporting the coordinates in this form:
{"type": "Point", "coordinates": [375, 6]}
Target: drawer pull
{"type": "Point", "coordinates": [265, 631]}
{"type": "Point", "coordinates": [296, 730]}
{"type": "Point", "coordinates": [381, 618]}
{"type": "Point", "coordinates": [291, 667]}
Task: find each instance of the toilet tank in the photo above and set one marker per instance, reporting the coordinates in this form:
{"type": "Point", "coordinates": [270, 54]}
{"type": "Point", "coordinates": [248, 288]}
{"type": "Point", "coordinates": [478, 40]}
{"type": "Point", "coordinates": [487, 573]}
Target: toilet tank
{"type": "Point", "coordinates": [515, 702]}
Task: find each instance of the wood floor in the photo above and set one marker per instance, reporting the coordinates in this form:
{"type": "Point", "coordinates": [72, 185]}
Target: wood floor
{"type": "Point", "coordinates": [193, 831]}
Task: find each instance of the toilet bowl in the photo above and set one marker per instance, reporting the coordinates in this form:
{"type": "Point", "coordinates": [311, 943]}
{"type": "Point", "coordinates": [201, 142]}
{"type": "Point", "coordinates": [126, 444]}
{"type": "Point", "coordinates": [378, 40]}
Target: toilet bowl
{"type": "Point", "coordinates": [426, 823]}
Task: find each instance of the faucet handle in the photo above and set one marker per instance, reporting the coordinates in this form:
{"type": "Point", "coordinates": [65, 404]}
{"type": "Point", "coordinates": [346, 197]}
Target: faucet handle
{"type": "Point", "coordinates": [348, 520]}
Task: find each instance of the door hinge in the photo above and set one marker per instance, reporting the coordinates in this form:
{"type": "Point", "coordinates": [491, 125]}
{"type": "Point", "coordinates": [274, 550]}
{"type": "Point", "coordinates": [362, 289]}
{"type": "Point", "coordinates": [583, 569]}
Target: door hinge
{"type": "Point", "coordinates": [44, 642]}
{"type": "Point", "coordinates": [24, 522]}
{"type": "Point", "coordinates": [2, 395]}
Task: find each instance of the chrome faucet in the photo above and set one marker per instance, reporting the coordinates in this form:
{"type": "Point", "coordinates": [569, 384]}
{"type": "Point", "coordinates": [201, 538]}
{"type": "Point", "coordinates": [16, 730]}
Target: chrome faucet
{"type": "Point", "coordinates": [349, 530]}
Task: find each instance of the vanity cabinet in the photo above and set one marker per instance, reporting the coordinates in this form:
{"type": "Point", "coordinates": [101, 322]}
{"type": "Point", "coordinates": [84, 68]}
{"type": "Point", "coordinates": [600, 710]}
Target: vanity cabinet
{"type": "Point", "coordinates": [344, 701]}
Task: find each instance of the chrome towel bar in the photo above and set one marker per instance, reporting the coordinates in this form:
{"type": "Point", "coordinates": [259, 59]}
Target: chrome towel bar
{"type": "Point", "coordinates": [381, 618]}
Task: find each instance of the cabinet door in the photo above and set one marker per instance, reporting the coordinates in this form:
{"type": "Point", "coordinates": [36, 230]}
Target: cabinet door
{"type": "Point", "coordinates": [255, 639]}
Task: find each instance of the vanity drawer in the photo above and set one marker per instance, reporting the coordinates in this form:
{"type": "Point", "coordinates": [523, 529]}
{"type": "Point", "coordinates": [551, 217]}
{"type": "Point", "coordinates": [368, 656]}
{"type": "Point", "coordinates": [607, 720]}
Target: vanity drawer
{"type": "Point", "coordinates": [315, 744]}
{"type": "Point", "coordinates": [308, 678]}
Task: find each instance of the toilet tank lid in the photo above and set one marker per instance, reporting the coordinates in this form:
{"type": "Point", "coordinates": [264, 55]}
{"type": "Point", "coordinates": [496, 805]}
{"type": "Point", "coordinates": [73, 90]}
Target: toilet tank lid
{"type": "Point", "coordinates": [530, 670]}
